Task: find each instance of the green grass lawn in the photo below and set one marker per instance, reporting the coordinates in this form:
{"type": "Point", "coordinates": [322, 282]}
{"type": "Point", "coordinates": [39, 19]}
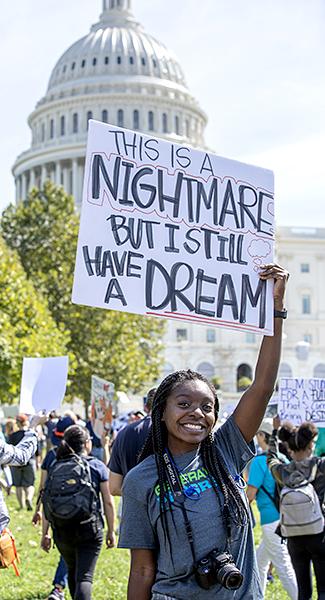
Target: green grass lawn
{"type": "Point", "coordinates": [37, 568]}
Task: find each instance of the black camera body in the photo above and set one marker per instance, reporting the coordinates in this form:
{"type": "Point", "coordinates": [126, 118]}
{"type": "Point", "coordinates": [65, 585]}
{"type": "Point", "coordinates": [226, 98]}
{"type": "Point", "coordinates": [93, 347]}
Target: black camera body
{"type": "Point", "coordinates": [218, 567]}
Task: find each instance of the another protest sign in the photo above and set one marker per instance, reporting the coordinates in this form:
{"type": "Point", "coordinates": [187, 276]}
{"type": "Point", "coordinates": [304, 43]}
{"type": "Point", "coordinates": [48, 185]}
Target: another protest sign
{"type": "Point", "coordinates": [102, 397]}
{"type": "Point", "coordinates": [302, 400]}
{"type": "Point", "coordinates": [171, 231]}
{"type": "Point", "coordinates": [43, 384]}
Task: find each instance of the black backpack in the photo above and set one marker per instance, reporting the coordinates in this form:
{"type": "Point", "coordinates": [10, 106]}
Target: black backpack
{"type": "Point", "coordinates": [69, 495]}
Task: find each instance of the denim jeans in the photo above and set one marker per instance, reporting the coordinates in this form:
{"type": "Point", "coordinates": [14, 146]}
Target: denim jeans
{"type": "Point", "coordinates": [61, 574]}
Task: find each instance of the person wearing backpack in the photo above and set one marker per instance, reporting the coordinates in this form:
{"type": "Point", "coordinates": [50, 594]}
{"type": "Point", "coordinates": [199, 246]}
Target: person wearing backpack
{"type": "Point", "coordinates": [302, 483]}
{"type": "Point", "coordinates": [60, 580]}
{"type": "Point", "coordinates": [75, 486]}
{"type": "Point", "coordinates": [262, 488]}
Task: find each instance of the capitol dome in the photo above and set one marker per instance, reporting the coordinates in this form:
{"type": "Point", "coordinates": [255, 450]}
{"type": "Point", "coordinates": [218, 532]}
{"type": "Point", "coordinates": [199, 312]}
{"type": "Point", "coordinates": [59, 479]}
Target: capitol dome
{"type": "Point", "coordinates": [118, 74]}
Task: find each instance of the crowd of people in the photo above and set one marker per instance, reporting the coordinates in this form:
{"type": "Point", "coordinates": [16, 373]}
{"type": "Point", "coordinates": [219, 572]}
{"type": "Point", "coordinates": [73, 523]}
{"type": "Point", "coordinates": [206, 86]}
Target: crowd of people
{"type": "Point", "coordinates": [185, 484]}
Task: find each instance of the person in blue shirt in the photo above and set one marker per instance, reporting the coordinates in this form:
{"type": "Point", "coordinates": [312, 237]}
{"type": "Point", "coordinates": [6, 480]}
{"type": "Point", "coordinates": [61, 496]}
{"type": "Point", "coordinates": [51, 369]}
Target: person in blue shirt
{"type": "Point", "coordinates": [261, 486]}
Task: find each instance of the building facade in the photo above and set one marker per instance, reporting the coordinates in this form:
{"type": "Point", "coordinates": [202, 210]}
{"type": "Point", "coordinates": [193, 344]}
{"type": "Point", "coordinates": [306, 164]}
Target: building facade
{"type": "Point", "coordinates": [122, 75]}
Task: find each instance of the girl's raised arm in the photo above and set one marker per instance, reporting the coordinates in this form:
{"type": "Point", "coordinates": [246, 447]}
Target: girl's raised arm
{"type": "Point", "coordinates": [252, 405]}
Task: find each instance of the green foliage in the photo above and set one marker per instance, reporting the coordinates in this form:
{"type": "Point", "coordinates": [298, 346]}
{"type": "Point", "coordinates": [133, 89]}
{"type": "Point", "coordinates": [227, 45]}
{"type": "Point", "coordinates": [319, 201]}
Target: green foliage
{"type": "Point", "coordinates": [216, 381]}
{"type": "Point", "coordinates": [26, 325]}
{"type": "Point", "coordinates": [121, 347]}
{"type": "Point", "coordinates": [243, 383]}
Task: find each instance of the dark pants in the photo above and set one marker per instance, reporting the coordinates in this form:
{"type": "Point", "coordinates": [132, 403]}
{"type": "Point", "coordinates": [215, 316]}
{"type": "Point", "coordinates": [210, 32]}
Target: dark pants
{"type": "Point", "coordinates": [80, 553]}
{"type": "Point", "coordinates": [304, 551]}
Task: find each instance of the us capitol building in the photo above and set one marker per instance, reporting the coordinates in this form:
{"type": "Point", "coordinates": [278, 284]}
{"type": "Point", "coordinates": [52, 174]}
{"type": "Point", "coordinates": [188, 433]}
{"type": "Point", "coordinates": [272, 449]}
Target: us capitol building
{"type": "Point", "coordinates": [121, 75]}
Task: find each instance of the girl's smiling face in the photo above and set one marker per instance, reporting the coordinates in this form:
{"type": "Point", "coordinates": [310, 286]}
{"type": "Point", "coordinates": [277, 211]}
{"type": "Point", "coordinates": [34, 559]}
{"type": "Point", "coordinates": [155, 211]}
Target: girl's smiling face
{"type": "Point", "coordinates": [189, 415]}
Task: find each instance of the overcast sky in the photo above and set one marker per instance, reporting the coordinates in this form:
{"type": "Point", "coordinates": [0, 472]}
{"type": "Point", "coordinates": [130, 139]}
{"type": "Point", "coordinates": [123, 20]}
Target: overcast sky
{"type": "Point", "coordinates": [255, 66]}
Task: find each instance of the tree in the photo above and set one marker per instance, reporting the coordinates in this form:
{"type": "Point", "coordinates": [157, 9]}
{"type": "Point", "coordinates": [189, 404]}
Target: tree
{"type": "Point", "coordinates": [26, 325]}
{"type": "Point", "coordinates": [121, 347]}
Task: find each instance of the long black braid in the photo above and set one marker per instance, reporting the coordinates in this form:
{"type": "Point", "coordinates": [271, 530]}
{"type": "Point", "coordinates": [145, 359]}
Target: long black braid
{"type": "Point", "coordinates": [234, 508]}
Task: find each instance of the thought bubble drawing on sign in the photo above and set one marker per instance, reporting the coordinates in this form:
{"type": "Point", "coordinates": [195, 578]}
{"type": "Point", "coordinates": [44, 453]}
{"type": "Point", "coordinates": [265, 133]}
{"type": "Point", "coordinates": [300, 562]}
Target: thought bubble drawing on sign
{"type": "Point", "coordinates": [258, 250]}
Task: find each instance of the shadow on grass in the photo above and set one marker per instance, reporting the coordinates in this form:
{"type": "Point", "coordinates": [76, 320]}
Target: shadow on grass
{"type": "Point", "coordinates": [23, 596]}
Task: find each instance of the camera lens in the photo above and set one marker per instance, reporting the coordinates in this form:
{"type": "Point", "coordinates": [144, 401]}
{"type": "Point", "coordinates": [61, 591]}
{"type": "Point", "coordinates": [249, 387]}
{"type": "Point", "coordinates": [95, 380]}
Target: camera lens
{"type": "Point", "coordinates": [230, 577]}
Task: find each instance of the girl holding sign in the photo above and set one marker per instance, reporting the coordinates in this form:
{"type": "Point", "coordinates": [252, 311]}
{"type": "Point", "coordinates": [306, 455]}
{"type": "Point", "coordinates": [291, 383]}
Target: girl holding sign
{"type": "Point", "coordinates": [185, 514]}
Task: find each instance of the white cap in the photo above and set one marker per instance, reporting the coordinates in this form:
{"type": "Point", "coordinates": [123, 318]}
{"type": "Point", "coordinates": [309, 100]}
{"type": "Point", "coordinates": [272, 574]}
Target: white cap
{"type": "Point", "coordinates": [266, 426]}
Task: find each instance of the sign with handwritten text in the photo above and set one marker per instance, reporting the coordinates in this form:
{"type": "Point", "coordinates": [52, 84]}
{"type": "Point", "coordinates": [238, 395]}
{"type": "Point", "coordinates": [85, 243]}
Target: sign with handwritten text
{"type": "Point", "coordinates": [170, 231]}
{"type": "Point", "coordinates": [102, 396]}
{"type": "Point", "coordinates": [302, 400]}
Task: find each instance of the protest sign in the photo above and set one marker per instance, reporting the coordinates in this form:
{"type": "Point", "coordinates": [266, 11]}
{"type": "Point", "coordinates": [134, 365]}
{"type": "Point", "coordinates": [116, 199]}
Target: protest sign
{"type": "Point", "coordinates": [302, 400]}
{"type": "Point", "coordinates": [102, 396]}
{"type": "Point", "coordinates": [170, 231]}
{"type": "Point", "coordinates": [43, 384]}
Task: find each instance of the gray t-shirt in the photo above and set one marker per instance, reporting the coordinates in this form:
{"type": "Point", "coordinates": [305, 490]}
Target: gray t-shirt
{"type": "Point", "coordinates": [141, 524]}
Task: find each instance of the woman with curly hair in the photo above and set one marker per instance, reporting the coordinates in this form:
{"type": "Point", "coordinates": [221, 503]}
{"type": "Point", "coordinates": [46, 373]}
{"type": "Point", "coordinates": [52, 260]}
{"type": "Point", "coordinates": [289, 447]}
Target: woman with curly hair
{"type": "Point", "coordinates": [304, 550]}
{"type": "Point", "coordinates": [185, 514]}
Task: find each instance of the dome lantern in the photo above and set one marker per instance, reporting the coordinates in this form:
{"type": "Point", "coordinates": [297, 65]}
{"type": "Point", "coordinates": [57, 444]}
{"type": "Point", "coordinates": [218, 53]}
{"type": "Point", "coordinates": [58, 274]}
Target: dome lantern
{"type": "Point", "coordinates": [116, 12]}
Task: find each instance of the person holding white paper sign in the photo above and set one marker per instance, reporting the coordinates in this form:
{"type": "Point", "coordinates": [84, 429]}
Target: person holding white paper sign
{"type": "Point", "coordinates": [18, 456]}
{"type": "Point", "coordinates": [193, 537]}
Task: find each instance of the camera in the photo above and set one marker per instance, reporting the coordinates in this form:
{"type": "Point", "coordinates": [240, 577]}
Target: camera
{"type": "Point", "coordinates": [218, 568]}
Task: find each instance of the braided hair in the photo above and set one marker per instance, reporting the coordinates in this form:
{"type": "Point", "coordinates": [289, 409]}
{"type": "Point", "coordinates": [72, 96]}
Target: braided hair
{"type": "Point", "coordinates": [234, 508]}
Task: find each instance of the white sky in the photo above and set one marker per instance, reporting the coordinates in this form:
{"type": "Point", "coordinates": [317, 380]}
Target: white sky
{"type": "Point", "coordinates": [255, 66]}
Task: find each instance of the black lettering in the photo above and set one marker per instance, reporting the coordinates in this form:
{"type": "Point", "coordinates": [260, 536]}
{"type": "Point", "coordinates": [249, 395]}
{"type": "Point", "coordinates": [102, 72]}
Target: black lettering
{"type": "Point", "coordinates": [124, 200]}
{"type": "Point", "coordinates": [114, 286]}
{"type": "Point", "coordinates": [244, 205]}
{"type": "Point", "coordinates": [98, 167]}
{"type": "Point", "coordinates": [171, 234]}
{"type": "Point", "coordinates": [143, 186]}
{"type": "Point", "coordinates": [223, 240]}
{"type": "Point", "coordinates": [200, 278]}
{"type": "Point", "coordinates": [207, 200]}
{"type": "Point", "coordinates": [107, 264]}
{"type": "Point", "coordinates": [175, 200]}
{"type": "Point", "coordinates": [149, 232]}
{"type": "Point", "coordinates": [227, 287]}
{"type": "Point", "coordinates": [189, 183]}
{"type": "Point", "coordinates": [239, 253]}
{"type": "Point", "coordinates": [178, 293]}
{"type": "Point", "coordinates": [152, 267]}
{"type": "Point", "coordinates": [130, 265]}
{"type": "Point", "coordinates": [116, 227]}
{"type": "Point", "coordinates": [259, 296]}
{"type": "Point", "coordinates": [229, 199]}
{"type": "Point", "coordinates": [119, 263]}
{"type": "Point", "coordinates": [259, 214]}
{"type": "Point", "coordinates": [189, 237]}
{"type": "Point", "coordinates": [135, 238]}
{"type": "Point", "coordinates": [209, 167]}
{"type": "Point", "coordinates": [208, 233]}
{"type": "Point", "coordinates": [150, 149]}
{"type": "Point", "coordinates": [92, 261]}
{"type": "Point", "coordinates": [182, 160]}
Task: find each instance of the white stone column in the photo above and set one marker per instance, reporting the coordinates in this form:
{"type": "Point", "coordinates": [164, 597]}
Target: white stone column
{"type": "Point", "coordinates": [24, 186]}
{"type": "Point", "coordinates": [43, 175]}
{"type": "Point", "coordinates": [75, 186]}
{"type": "Point", "coordinates": [32, 179]}
{"type": "Point", "coordinates": [66, 179]}
{"type": "Point", "coordinates": [16, 189]}
{"type": "Point", "coordinates": [58, 173]}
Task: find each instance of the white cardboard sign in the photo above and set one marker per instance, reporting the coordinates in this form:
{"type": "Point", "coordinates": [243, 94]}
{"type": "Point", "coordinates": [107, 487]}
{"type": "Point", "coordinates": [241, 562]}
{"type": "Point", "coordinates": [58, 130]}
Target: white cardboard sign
{"type": "Point", "coordinates": [302, 400]}
{"type": "Point", "coordinates": [43, 384]}
{"type": "Point", "coordinates": [102, 395]}
{"type": "Point", "coordinates": [170, 231]}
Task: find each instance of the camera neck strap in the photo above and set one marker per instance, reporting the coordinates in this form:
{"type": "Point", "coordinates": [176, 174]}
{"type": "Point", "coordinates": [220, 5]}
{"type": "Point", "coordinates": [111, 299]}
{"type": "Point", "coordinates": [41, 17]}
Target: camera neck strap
{"type": "Point", "coordinates": [179, 495]}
